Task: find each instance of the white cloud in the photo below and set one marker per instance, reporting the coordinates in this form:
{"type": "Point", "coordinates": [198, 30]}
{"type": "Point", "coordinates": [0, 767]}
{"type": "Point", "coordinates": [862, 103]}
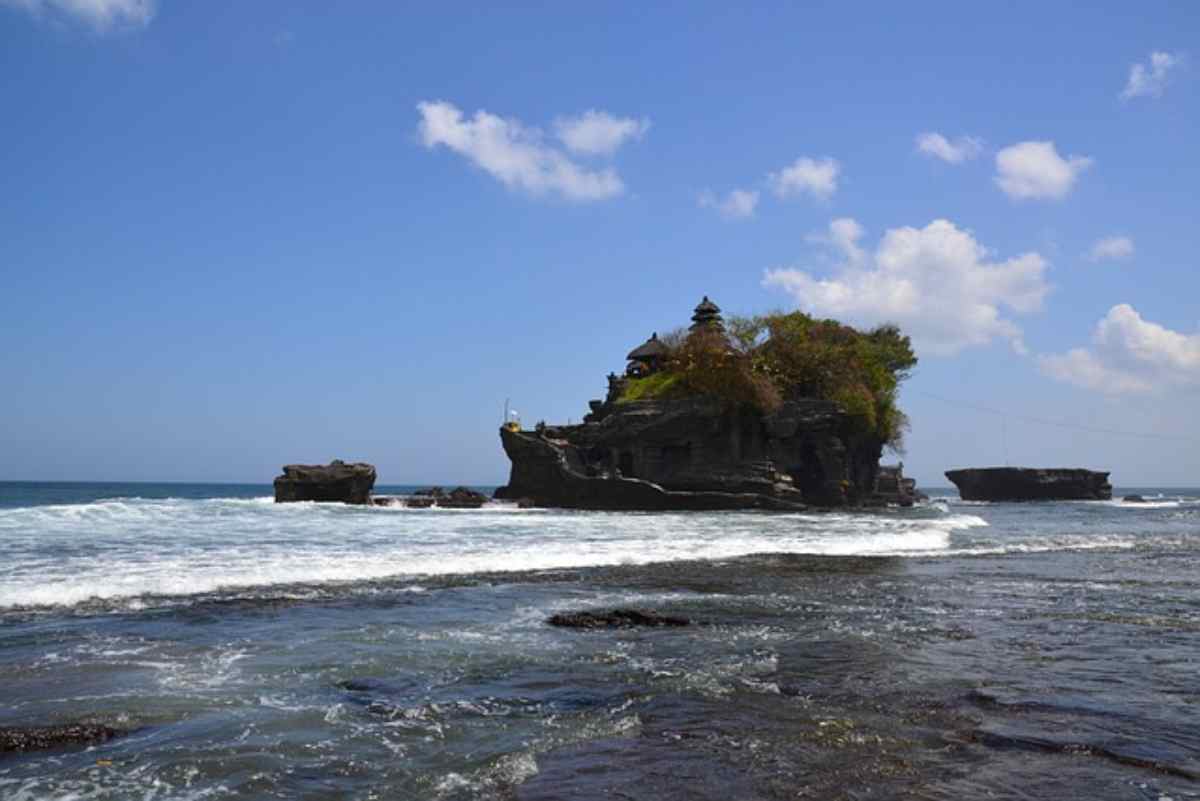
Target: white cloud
{"type": "Point", "coordinates": [936, 282]}
{"type": "Point", "coordinates": [1111, 248]}
{"type": "Point", "coordinates": [739, 204]}
{"type": "Point", "coordinates": [102, 15]}
{"type": "Point", "coordinates": [515, 155]}
{"type": "Point", "coordinates": [962, 149]}
{"type": "Point", "coordinates": [1128, 354]}
{"type": "Point", "coordinates": [818, 178]}
{"type": "Point", "coordinates": [598, 133]}
{"type": "Point", "coordinates": [843, 237]}
{"type": "Point", "coordinates": [1035, 170]}
{"type": "Point", "coordinates": [1150, 79]}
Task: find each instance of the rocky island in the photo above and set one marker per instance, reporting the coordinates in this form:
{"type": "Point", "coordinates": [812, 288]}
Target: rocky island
{"type": "Point", "coordinates": [334, 482]}
{"type": "Point", "coordinates": [1031, 484]}
{"type": "Point", "coordinates": [772, 412]}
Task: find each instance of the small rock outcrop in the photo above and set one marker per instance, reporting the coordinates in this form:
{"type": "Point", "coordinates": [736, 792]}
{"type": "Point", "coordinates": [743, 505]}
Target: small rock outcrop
{"type": "Point", "coordinates": [40, 738]}
{"type": "Point", "coordinates": [462, 498]}
{"type": "Point", "coordinates": [616, 619]}
{"type": "Point", "coordinates": [457, 498]}
{"type": "Point", "coordinates": [1031, 484]}
{"type": "Point", "coordinates": [337, 481]}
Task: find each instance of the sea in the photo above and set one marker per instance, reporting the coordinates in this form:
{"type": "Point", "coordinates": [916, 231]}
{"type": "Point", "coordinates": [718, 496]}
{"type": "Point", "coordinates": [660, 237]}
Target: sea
{"type": "Point", "coordinates": [253, 650]}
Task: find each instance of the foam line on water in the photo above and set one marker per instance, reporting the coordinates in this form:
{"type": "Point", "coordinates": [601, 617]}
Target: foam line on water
{"type": "Point", "coordinates": [131, 548]}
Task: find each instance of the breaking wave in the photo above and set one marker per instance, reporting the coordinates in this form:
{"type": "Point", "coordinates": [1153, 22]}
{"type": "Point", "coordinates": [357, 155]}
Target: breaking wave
{"type": "Point", "coordinates": [127, 548]}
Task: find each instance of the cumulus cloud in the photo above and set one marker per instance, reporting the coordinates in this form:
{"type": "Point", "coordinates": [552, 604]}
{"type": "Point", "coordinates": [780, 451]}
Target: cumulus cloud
{"type": "Point", "coordinates": [1111, 248]}
{"type": "Point", "coordinates": [1128, 354]}
{"type": "Point", "coordinates": [806, 175]}
{"type": "Point", "coordinates": [598, 133]}
{"type": "Point", "coordinates": [739, 204]}
{"type": "Point", "coordinates": [103, 15]}
{"type": "Point", "coordinates": [1150, 79]}
{"type": "Point", "coordinates": [936, 282]}
{"type": "Point", "coordinates": [513, 154]}
{"type": "Point", "coordinates": [961, 149]}
{"type": "Point", "coordinates": [1035, 170]}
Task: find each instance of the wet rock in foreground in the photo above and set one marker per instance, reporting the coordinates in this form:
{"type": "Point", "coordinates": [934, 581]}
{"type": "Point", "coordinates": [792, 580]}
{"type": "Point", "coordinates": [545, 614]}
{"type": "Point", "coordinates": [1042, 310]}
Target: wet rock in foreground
{"type": "Point", "coordinates": [39, 738]}
{"type": "Point", "coordinates": [616, 619]}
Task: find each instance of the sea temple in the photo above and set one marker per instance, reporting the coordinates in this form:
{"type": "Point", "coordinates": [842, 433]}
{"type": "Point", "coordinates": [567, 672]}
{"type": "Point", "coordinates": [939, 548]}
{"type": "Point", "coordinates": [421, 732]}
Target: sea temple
{"type": "Point", "coordinates": [702, 419]}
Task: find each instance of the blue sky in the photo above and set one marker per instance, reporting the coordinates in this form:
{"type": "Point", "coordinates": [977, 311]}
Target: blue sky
{"type": "Point", "coordinates": [234, 235]}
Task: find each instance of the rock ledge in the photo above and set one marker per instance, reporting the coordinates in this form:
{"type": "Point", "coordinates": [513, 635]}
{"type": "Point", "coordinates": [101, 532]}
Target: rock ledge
{"type": "Point", "coordinates": [1031, 484]}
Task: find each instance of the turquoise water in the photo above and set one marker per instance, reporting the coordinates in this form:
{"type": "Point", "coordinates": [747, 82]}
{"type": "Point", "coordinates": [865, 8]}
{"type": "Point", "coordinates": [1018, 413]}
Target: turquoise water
{"type": "Point", "coordinates": [255, 650]}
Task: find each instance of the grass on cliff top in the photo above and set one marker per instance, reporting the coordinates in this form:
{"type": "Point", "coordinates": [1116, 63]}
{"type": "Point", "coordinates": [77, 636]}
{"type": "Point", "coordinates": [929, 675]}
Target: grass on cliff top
{"type": "Point", "coordinates": [653, 387]}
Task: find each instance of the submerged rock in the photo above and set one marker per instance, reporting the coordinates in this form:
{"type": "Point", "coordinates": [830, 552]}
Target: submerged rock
{"type": "Point", "coordinates": [335, 482]}
{"type": "Point", "coordinates": [462, 498]}
{"type": "Point", "coordinates": [1134, 499]}
{"type": "Point", "coordinates": [1031, 484]}
{"type": "Point", "coordinates": [38, 738]}
{"type": "Point", "coordinates": [417, 502]}
{"type": "Point", "coordinates": [615, 619]}
{"type": "Point", "coordinates": [457, 498]}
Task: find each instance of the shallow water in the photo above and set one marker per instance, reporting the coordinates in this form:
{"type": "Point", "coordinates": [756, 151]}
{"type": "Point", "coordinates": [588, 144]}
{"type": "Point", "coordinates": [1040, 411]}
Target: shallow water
{"type": "Point", "coordinates": [950, 651]}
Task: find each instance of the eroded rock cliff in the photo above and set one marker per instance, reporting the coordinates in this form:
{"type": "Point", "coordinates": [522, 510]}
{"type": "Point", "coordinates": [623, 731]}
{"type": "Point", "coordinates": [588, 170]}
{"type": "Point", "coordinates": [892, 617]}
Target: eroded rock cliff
{"type": "Point", "coordinates": [697, 454]}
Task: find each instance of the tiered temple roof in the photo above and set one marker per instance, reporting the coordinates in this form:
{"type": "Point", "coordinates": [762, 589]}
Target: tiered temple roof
{"type": "Point", "coordinates": [707, 315]}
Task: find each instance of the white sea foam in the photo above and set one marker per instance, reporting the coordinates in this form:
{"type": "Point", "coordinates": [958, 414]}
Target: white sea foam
{"type": "Point", "coordinates": [131, 549]}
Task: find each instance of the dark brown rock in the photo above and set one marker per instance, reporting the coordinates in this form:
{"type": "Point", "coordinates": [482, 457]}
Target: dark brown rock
{"type": "Point", "coordinates": [1031, 484]}
{"type": "Point", "coordinates": [416, 502]}
{"type": "Point", "coordinates": [37, 738]}
{"type": "Point", "coordinates": [616, 618]}
{"type": "Point", "coordinates": [695, 454]}
{"type": "Point", "coordinates": [457, 498]}
{"type": "Point", "coordinates": [335, 482]}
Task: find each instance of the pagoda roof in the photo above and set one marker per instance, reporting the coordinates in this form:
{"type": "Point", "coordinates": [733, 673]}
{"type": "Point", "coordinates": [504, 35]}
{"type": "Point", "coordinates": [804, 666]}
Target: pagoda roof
{"type": "Point", "coordinates": [652, 348]}
{"type": "Point", "coordinates": [707, 315]}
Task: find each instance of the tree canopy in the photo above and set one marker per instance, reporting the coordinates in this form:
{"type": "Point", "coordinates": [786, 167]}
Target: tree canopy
{"type": "Point", "coordinates": [764, 360]}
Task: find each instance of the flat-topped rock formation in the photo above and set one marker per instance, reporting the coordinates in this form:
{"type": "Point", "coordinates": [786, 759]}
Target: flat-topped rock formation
{"type": "Point", "coordinates": [335, 482]}
{"type": "Point", "coordinates": [1031, 484]}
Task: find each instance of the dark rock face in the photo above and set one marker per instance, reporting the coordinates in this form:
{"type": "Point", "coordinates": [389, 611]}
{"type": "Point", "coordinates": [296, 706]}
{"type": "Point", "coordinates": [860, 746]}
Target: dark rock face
{"type": "Point", "coordinates": [1031, 484]}
{"type": "Point", "coordinates": [13, 739]}
{"type": "Point", "coordinates": [418, 502]}
{"type": "Point", "coordinates": [337, 481]}
{"type": "Point", "coordinates": [694, 454]}
{"type": "Point", "coordinates": [616, 619]}
{"type": "Point", "coordinates": [462, 498]}
{"type": "Point", "coordinates": [457, 498]}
